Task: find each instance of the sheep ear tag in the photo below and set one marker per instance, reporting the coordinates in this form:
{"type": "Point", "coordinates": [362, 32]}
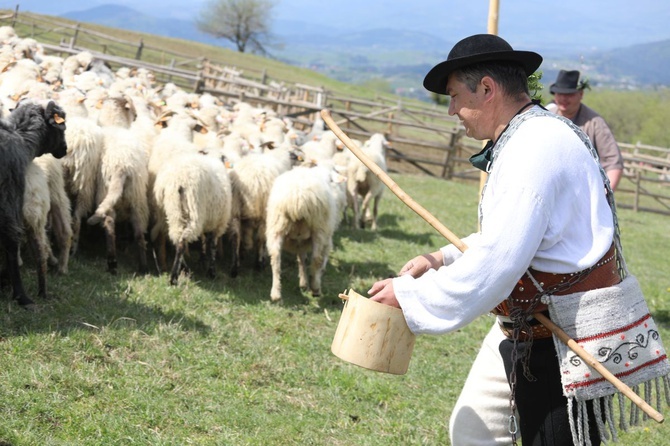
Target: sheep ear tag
{"type": "Point", "coordinates": [58, 119]}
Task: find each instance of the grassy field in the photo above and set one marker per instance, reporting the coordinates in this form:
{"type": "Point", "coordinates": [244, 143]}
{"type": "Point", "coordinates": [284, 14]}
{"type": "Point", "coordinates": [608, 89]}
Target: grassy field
{"type": "Point", "coordinates": [127, 359]}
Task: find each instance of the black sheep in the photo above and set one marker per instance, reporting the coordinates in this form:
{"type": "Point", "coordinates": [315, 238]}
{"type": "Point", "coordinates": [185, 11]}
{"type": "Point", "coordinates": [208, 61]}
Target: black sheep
{"type": "Point", "coordinates": [30, 130]}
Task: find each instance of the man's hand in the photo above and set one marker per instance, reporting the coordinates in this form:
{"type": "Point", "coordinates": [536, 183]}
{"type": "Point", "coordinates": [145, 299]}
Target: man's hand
{"type": "Point", "coordinates": [420, 264]}
{"type": "Point", "coordinates": [382, 292]}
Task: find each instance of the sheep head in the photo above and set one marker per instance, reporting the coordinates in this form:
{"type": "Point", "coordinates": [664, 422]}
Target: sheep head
{"type": "Point", "coordinates": [41, 127]}
{"type": "Point", "coordinates": [55, 115]}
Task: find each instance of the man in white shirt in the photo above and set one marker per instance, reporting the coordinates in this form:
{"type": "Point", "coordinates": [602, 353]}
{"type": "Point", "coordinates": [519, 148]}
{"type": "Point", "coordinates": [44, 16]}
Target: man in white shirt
{"type": "Point", "coordinates": [543, 209]}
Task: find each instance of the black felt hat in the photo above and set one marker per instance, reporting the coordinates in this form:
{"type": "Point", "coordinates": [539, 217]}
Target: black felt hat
{"type": "Point", "coordinates": [567, 82]}
{"type": "Point", "coordinates": [475, 49]}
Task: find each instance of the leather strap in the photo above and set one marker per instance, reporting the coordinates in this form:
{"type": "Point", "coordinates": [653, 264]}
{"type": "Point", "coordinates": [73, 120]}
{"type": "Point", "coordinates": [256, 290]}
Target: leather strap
{"type": "Point", "coordinates": [604, 274]}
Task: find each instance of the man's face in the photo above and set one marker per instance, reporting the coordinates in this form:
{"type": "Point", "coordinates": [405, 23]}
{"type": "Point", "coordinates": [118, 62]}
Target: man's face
{"type": "Point", "coordinates": [467, 106]}
{"type": "Point", "coordinates": [568, 103]}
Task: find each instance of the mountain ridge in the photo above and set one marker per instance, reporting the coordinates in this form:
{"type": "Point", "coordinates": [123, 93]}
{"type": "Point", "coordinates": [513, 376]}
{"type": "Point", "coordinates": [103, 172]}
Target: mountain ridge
{"type": "Point", "coordinates": [399, 56]}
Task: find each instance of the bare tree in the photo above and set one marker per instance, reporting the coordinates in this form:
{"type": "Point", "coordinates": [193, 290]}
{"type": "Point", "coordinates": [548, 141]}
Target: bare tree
{"type": "Point", "coordinates": [246, 23]}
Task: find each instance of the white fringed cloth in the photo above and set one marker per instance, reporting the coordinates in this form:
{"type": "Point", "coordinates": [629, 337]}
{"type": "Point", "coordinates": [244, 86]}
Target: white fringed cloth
{"type": "Point", "coordinates": [614, 325]}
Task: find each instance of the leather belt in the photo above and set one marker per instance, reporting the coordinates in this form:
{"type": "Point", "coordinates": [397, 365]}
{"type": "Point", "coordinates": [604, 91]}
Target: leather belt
{"type": "Point", "coordinates": [539, 330]}
{"type": "Point", "coordinates": [605, 273]}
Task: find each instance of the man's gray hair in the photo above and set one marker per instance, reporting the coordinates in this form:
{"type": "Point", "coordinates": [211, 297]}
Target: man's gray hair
{"type": "Point", "coordinates": [510, 76]}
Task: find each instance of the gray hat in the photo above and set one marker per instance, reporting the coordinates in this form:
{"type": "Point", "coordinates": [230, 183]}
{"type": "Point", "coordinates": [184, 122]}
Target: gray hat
{"type": "Point", "coordinates": [567, 82]}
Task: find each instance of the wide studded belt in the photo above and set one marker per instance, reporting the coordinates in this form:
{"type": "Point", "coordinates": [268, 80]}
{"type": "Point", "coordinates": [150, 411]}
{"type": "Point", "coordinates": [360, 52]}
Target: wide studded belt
{"type": "Point", "coordinates": [603, 274]}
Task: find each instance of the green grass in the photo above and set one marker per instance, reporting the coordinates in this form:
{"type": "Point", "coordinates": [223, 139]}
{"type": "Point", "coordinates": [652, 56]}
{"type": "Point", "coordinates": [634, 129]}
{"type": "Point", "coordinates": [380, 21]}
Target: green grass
{"type": "Point", "coordinates": [126, 359]}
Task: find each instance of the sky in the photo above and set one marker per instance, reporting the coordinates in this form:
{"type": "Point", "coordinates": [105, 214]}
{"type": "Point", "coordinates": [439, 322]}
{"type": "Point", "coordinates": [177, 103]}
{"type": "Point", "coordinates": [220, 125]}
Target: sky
{"type": "Point", "coordinates": [593, 24]}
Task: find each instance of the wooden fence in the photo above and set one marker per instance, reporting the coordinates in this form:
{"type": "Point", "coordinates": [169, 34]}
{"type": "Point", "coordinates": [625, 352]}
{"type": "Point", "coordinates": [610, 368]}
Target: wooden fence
{"type": "Point", "coordinates": [425, 139]}
{"type": "Point", "coordinates": [646, 182]}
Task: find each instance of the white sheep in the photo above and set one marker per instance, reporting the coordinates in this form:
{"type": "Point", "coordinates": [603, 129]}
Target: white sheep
{"type": "Point", "coordinates": [323, 148]}
{"type": "Point", "coordinates": [302, 214]}
{"type": "Point", "coordinates": [60, 216]}
{"type": "Point", "coordinates": [84, 138]}
{"type": "Point", "coordinates": [117, 112]}
{"type": "Point", "coordinates": [74, 65]}
{"type": "Point", "coordinates": [17, 80]}
{"type": "Point", "coordinates": [361, 182]}
{"type": "Point", "coordinates": [51, 66]}
{"type": "Point", "coordinates": [36, 205]}
{"type": "Point", "coordinates": [193, 195]}
{"type": "Point", "coordinates": [253, 176]}
{"type": "Point", "coordinates": [122, 185]}
{"type": "Point", "coordinates": [7, 35]}
{"type": "Point", "coordinates": [173, 140]}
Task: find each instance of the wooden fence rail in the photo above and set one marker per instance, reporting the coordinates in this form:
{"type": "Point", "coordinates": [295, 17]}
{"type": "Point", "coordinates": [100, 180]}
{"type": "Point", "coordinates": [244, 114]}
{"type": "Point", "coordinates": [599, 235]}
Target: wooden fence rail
{"type": "Point", "coordinates": [426, 140]}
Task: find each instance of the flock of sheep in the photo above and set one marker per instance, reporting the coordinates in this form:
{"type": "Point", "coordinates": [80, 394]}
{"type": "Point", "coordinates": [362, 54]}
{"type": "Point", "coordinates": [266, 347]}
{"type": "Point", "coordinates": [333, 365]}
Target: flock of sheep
{"type": "Point", "coordinates": [174, 165]}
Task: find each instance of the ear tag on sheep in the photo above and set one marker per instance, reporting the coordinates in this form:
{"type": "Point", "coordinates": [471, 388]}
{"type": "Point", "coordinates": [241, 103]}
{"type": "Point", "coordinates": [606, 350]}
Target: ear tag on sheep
{"type": "Point", "coordinates": [58, 119]}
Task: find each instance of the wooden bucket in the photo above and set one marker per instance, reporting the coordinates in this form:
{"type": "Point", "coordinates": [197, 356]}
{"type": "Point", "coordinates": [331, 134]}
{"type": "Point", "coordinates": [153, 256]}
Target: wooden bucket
{"type": "Point", "coordinates": [373, 335]}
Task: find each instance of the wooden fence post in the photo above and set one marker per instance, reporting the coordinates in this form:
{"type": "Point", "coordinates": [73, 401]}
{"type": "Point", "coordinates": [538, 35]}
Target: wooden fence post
{"type": "Point", "coordinates": [73, 40]}
{"type": "Point", "coordinates": [15, 16]}
{"type": "Point", "coordinates": [138, 55]}
{"type": "Point", "coordinates": [172, 64]}
{"type": "Point", "coordinates": [447, 168]}
{"type": "Point", "coordinates": [636, 201]}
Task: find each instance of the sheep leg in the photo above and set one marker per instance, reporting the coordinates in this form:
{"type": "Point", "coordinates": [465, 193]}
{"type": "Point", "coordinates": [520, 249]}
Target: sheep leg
{"type": "Point", "coordinates": [12, 254]}
{"type": "Point", "coordinates": [160, 245]}
{"type": "Point", "coordinates": [63, 235]}
{"type": "Point", "coordinates": [234, 235]}
{"type": "Point", "coordinates": [76, 230]}
{"type": "Point", "coordinates": [302, 271]}
{"type": "Point", "coordinates": [178, 265]}
{"type": "Point", "coordinates": [260, 246]}
{"type": "Point", "coordinates": [274, 251]}
{"type": "Point", "coordinates": [365, 208]}
{"type": "Point", "coordinates": [110, 231]}
{"type": "Point", "coordinates": [210, 251]}
{"type": "Point", "coordinates": [355, 206]}
{"type": "Point", "coordinates": [318, 265]}
{"type": "Point", "coordinates": [141, 246]}
{"type": "Point", "coordinates": [38, 247]}
{"type": "Point", "coordinates": [375, 210]}
{"type": "Point", "coordinates": [247, 236]}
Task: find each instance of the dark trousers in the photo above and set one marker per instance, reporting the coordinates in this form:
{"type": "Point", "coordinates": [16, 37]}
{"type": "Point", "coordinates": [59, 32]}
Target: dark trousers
{"type": "Point", "coordinates": [543, 410]}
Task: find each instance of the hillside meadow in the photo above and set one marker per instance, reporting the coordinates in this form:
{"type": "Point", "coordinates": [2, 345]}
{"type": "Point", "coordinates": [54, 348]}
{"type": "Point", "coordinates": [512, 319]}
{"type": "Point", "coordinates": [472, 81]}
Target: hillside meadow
{"type": "Point", "coordinates": [634, 115]}
{"type": "Point", "coordinates": [128, 359]}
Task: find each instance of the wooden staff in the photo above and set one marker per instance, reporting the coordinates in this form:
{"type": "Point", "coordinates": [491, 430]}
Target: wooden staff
{"type": "Point", "coordinates": [423, 213]}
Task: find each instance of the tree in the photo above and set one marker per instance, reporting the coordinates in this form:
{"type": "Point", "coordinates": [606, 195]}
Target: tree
{"type": "Point", "coordinates": [246, 23]}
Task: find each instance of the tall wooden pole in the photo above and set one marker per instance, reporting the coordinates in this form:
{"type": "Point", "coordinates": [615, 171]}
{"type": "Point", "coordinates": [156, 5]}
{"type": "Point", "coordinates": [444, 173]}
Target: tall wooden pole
{"type": "Point", "coordinates": [494, 7]}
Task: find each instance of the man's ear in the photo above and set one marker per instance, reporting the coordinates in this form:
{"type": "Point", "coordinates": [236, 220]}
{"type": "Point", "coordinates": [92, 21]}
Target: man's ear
{"type": "Point", "coordinates": [488, 85]}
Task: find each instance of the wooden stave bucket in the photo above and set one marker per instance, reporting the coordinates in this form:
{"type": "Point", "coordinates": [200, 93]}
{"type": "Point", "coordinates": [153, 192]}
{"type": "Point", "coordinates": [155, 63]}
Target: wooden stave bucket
{"type": "Point", "coordinates": [373, 335]}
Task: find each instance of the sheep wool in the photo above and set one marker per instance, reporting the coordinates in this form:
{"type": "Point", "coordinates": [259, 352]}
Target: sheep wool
{"type": "Point", "coordinates": [193, 196]}
{"type": "Point", "coordinates": [302, 215]}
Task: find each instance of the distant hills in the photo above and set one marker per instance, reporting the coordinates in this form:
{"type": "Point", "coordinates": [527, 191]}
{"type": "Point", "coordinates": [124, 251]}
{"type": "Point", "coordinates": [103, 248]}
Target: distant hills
{"type": "Point", "coordinates": [400, 57]}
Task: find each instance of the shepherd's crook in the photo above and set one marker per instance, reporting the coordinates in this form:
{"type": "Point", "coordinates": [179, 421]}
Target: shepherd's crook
{"type": "Point", "coordinates": [423, 213]}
